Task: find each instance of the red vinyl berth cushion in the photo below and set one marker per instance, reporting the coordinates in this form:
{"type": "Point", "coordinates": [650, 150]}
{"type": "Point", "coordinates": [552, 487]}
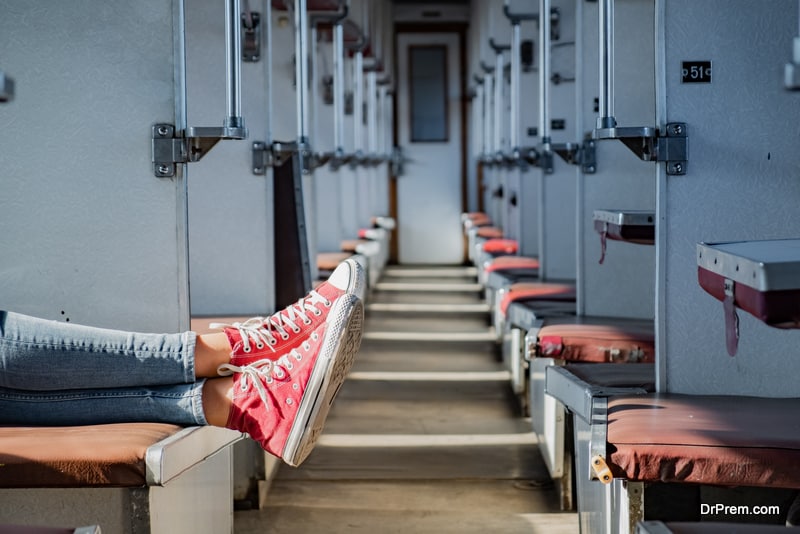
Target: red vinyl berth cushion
{"type": "Point", "coordinates": [501, 246]}
{"type": "Point", "coordinates": [490, 232]}
{"type": "Point", "coordinates": [698, 439]}
{"type": "Point", "coordinates": [511, 263]}
{"type": "Point", "coordinates": [728, 528]}
{"type": "Point", "coordinates": [598, 342]}
{"type": "Point", "coordinates": [527, 291]}
{"type": "Point", "coordinates": [93, 455]}
{"type": "Point", "coordinates": [477, 219]}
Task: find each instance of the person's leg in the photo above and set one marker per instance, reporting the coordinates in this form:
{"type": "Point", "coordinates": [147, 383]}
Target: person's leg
{"type": "Point", "coordinates": [282, 403]}
{"type": "Point", "coordinates": [42, 355]}
{"type": "Point", "coordinates": [179, 404]}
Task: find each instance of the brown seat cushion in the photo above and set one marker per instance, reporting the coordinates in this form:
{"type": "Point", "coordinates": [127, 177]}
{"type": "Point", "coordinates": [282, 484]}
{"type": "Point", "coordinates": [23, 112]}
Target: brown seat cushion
{"type": "Point", "coordinates": [96, 455]}
{"type": "Point", "coordinates": [628, 342]}
{"type": "Point", "coordinates": [716, 440]}
{"type": "Point", "coordinates": [328, 261]}
{"type": "Point", "coordinates": [349, 245]}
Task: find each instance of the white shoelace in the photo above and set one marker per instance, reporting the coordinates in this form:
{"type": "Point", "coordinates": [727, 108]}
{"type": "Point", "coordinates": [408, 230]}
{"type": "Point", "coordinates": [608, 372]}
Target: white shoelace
{"type": "Point", "coordinates": [262, 331]}
{"type": "Point", "coordinates": [257, 373]}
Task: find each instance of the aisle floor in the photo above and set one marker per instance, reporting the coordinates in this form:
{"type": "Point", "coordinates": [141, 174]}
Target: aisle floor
{"type": "Point", "coordinates": [425, 436]}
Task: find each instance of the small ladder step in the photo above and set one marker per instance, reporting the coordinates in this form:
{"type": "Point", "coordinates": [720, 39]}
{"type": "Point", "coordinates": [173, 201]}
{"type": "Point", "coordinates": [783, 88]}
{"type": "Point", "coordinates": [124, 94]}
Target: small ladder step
{"type": "Point", "coordinates": [455, 272]}
{"type": "Point", "coordinates": [438, 288]}
{"type": "Point", "coordinates": [432, 376]}
{"type": "Point", "coordinates": [487, 335]}
{"type": "Point", "coordinates": [427, 308]}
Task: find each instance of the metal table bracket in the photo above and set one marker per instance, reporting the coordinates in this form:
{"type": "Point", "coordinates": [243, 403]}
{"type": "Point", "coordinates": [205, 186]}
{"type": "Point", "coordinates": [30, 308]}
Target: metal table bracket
{"type": "Point", "coordinates": [792, 71]}
{"type": "Point", "coordinates": [650, 144]}
{"type": "Point", "coordinates": [169, 150]}
{"type": "Point", "coordinates": [276, 154]}
{"type": "Point", "coordinates": [582, 154]}
{"type": "Point", "coordinates": [251, 36]}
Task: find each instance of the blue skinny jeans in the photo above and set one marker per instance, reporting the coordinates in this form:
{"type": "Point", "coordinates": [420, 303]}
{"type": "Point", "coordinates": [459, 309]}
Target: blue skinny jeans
{"type": "Point", "coordinates": [54, 373]}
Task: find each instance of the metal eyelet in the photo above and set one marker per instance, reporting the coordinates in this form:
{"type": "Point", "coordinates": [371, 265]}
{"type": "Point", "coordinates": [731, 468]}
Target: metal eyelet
{"type": "Point", "coordinates": [306, 346]}
{"type": "Point", "coordinates": [284, 336]}
{"type": "Point", "coordinates": [247, 349]}
{"type": "Point", "coordinates": [296, 330]}
{"type": "Point", "coordinates": [259, 345]}
{"type": "Point", "coordinates": [307, 321]}
{"type": "Point", "coordinates": [317, 312]}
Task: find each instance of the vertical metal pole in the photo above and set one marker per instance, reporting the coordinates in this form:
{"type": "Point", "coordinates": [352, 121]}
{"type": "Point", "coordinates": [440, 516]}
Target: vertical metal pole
{"type": "Point", "coordinates": [314, 97]}
{"type": "Point", "coordinates": [301, 68]}
{"type": "Point", "coordinates": [338, 89]}
{"type": "Point", "coordinates": [358, 103]}
{"type": "Point", "coordinates": [233, 64]}
{"type": "Point", "coordinates": [479, 114]}
{"type": "Point", "coordinates": [268, 67]}
{"type": "Point", "coordinates": [606, 47]}
{"type": "Point", "coordinates": [372, 112]}
{"type": "Point", "coordinates": [488, 120]}
{"type": "Point", "coordinates": [544, 73]}
{"type": "Point", "coordinates": [498, 103]}
{"type": "Point", "coordinates": [516, 45]}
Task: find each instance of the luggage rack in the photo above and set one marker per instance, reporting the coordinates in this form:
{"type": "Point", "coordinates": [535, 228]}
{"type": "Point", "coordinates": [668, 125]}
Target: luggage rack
{"type": "Point", "coordinates": [760, 277]}
{"type": "Point", "coordinates": [630, 226]}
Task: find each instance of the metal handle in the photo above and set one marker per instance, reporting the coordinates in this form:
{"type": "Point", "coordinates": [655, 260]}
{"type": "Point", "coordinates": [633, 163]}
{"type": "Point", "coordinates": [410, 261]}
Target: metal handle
{"type": "Point", "coordinates": [233, 64]}
{"type": "Point", "coordinates": [498, 103]}
{"type": "Point", "coordinates": [358, 103]}
{"type": "Point", "coordinates": [544, 73]}
{"type": "Point", "coordinates": [516, 45]}
{"type": "Point", "coordinates": [338, 88]}
{"type": "Point", "coordinates": [301, 68]}
{"type": "Point", "coordinates": [606, 47]}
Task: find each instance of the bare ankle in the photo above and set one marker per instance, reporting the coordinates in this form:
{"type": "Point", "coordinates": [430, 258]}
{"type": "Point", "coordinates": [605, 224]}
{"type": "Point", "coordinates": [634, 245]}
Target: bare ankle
{"type": "Point", "coordinates": [217, 396]}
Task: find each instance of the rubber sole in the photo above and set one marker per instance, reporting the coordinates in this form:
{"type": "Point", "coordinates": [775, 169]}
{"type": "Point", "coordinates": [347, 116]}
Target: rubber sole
{"type": "Point", "coordinates": [339, 348]}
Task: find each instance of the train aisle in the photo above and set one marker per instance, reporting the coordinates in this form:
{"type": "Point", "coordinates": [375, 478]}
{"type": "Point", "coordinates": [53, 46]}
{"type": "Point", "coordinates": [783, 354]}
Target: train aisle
{"type": "Point", "coordinates": [424, 436]}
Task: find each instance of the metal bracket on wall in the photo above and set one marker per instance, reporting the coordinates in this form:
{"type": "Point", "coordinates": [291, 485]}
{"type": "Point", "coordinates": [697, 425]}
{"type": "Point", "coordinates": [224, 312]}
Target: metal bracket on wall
{"type": "Point", "coordinates": [650, 144]}
{"type": "Point", "coordinates": [169, 150]}
{"type": "Point", "coordinates": [792, 70]}
{"type": "Point", "coordinates": [251, 36]}
{"type": "Point", "coordinates": [276, 154]}
{"type": "Point", "coordinates": [582, 154]}
{"type": "Point", "coordinates": [6, 87]}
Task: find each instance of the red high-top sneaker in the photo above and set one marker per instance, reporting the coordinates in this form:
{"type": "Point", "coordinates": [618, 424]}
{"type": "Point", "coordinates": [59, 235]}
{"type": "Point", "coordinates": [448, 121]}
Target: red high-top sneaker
{"type": "Point", "coordinates": [270, 337]}
{"type": "Point", "coordinates": [283, 403]}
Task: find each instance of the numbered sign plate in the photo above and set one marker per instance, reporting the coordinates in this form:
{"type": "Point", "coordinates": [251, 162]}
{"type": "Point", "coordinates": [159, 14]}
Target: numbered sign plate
{"type": "Point", "coordinates": [696, 72]}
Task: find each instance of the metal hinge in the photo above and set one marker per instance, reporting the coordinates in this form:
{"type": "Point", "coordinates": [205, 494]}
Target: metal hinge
{"type": "Point", "coordinates": [670, 146]}
{"type": "Point", "coordinates": [169, 150]}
